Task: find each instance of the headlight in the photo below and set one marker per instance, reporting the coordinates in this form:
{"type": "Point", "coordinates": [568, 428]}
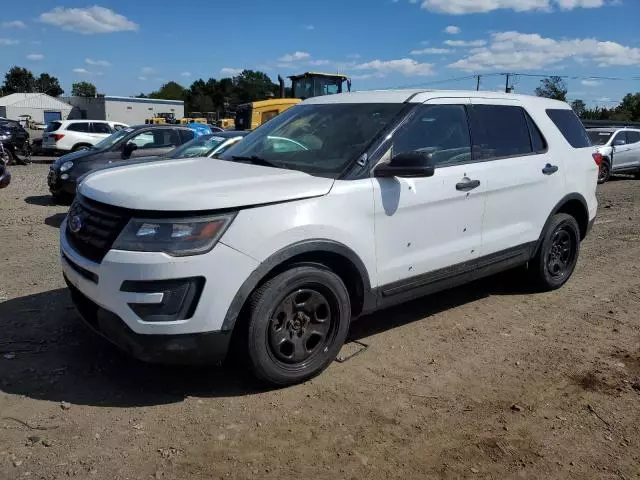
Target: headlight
{"type": "Point", "coordinates": [183, 237]}
{"type": "Point", "coordinates": [4, 136]}
{"type": "Point", "coordinates": [66, 166]}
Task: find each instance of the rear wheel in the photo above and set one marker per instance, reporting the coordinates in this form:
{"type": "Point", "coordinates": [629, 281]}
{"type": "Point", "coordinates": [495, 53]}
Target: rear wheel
{"type": "Point", "coordinates": [298, 321]}
{"type": "Point", "coordinates": [605, 172]}
{"type": "Point", "coordinates": [80, 148]}
{"type": "Point", "coordinates": [22, 156]}
{"type": "Point", "coordinates": [556, 259]}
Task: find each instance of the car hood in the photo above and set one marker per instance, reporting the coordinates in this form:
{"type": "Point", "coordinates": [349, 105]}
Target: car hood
{"type": "Point", "coordinates": [199, 184]}
{"type": "Point", "coordinates": [76, 157]}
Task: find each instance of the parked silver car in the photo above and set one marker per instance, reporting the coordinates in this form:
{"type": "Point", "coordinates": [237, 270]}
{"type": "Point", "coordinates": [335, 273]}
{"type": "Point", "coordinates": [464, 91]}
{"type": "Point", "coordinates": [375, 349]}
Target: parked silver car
{"type": "Point", "coordinates": [620, 149]}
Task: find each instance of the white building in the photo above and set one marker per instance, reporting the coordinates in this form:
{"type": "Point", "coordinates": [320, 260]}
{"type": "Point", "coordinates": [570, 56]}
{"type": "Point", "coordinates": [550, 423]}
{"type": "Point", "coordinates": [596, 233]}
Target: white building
{"type": "Point", "coordinates": [40, 107]}
{"type": "Point", "coordinates": [129, 110]}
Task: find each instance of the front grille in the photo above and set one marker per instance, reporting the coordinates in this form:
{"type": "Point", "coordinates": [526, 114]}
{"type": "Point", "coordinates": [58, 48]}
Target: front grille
{"type": "Point", "coordinates": [100, 225]}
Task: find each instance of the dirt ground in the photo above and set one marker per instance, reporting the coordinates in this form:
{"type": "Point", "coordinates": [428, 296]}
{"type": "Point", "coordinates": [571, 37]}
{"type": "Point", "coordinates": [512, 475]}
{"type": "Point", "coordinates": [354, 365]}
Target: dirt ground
{"type": "Point", "coordinates": [485, 381]}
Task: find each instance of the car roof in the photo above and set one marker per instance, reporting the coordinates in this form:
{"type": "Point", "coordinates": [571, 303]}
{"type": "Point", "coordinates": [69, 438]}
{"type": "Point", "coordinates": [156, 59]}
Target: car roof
{"type": "Point", "coordinates": [422, 95]}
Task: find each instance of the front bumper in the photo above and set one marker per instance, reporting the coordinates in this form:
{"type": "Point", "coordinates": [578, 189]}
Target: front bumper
{"type": "Point", "coordinates": [58, 185]}
{"type": "Point", "coordinates": [5, 179]}
{"type": "Point", "coordinates": [103, 285]}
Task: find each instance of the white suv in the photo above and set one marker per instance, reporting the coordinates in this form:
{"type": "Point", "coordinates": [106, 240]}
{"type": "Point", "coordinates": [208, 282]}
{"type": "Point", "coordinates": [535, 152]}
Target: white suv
{"type": "Point", "coordinates": [340, 206]}
{"type": "Point", "coordinates": [74, 135]}
{"type": "Point", "coordinates": [620, 150]}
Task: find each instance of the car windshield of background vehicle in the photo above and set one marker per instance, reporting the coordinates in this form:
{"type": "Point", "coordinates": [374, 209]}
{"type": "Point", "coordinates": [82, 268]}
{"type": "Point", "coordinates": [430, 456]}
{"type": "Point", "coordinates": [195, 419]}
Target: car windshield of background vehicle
{"type": "Point", "coordinates": [317, 139]}
{"type": "Point", "coordinates": [599, 138]}
{"type": "Point", "coordinates": [112, 139]}
{"type": "Point", "coordinates": [198, 147]}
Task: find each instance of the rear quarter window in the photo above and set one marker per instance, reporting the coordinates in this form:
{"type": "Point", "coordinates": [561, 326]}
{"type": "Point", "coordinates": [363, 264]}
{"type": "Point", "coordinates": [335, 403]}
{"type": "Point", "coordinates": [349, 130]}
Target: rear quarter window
{"type": "Point", "coordinates": [570, 126]}
{"type": "Point", "coordinates": [53, 126]}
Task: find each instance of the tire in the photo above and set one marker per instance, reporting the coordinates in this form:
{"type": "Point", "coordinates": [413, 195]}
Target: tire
{"type": "Point", "coordinates": [22, 157]}
{"type": "Point", "coordinates": [605, 172]}
{"type": "Point", "coordinates": [79, 148]}
{"type": "Point", "coordinates": [558, 254]}
{"type": "Point", "coordinates": [297, 323]}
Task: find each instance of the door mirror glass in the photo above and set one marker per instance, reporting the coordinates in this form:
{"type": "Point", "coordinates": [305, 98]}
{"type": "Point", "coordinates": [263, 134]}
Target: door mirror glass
{"type": "Point", "coordinates": [407, 164]}
{"type": "Point", "coordinates": [619, 141]}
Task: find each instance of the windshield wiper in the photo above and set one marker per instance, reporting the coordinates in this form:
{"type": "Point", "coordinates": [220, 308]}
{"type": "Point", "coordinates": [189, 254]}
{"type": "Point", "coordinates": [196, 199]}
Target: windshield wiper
{"type": "Point", "coordinates": [256, 160]}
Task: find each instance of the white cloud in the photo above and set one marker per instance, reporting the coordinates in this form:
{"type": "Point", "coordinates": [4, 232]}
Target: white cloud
{"type": "Point", "coordinates": [294, 56]}
{"type": "Point", "coordinates": [452, 30]}
{"type": "Point", "coordinates": [465, 43]}
{"type": "Point", "coordinates": [520, 51]}
{"type": "Point", "coordinates": [89, 20]}
{"type": "Point", "coordinates": [353, 55]}
{"type": "Point", "coordinates": [431, 51]}
{"type": "Point", "coordinates": [406, 66]}
{"type": "Point", "coordinates": [147, 70]}
{"type": "Point", "coordinates": [461, 7]}
{"type": "Point", "coordinates": [82, 71]}
{"type": "Point", "coordinates": [185, 74]}
{"type": "Point", "coordinates": [232, 72]}
{"type": "Point", "coordinates": [363, 76]}
{"type": "Point", "coordinates": [144, 79]}
{"type": "Point", "coordinates": [591, 83]}
{"type": "Point", "coordinates": [319, 62]}
{"type": "Point", "coordinates": [36, 57]}
{"type": "Point", "coordinates": [5, 42]}
{"type": "Point", "coordinates": [98, 63]}
{"type": "Point", "coordinates": [14, 24]}
{"type": "Point", "coordinates": [309, 27]}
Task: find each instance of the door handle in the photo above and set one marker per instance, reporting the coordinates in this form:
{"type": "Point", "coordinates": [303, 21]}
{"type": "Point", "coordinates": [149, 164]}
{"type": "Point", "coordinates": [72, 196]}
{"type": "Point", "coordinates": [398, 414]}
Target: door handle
{"type": "Point", "coordinates": [467, 185]}
{"type": "Point", "coordinates": [549, 169]}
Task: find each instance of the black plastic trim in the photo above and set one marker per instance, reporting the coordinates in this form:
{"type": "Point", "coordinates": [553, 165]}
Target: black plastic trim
{"type": "Point", "coordinates": [454, 275]}
{"type": "Point", "coordinates": [83, 272]}
{"type": "Point", "coordinates": [556, 209]}
{"type": "Point", "coordinates": [287, 253]}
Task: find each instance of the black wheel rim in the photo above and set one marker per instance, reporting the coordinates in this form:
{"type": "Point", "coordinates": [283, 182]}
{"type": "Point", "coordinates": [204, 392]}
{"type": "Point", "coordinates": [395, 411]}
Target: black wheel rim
{"type": "Point", "coordinates": [302, 326]}
{"type": "Point", "coordinates": [562, 252]}
{"type": "Point", "coordinates": [604, 172]}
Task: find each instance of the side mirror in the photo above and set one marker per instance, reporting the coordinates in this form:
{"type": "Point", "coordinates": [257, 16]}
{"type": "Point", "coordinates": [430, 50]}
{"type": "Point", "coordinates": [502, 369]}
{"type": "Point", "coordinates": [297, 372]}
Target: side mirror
{"type": "Point", "coordinates": [408, 165]}
{"type": "Point", "coordinates": [129, 148]}
{"type": "Point", "coordinates": [618, 142]}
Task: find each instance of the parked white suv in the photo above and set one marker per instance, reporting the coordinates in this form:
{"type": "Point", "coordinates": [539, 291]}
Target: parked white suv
{"type": "Point", "coordinates": [620, 149]}
{"type": "Point", "coordinates": [340, 206]}
{"type": "Point", "coordinates": [74, 135]}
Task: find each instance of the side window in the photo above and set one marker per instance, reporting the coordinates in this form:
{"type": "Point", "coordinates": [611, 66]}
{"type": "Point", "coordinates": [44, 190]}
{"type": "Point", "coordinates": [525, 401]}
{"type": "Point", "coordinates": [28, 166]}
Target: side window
{"type": "Point", "coordinates": [570, 126]}
{"type": "Point", "coordinates": [186, 135]}
{"type": "Point", "coordinates": [633, 136]}
{"type": "Point", "coordinates": [101, 128]}
{"type": "Point", "coordinates": [502, 131]}
{"type": "Point", "coordinates": [538, 142]}
{"type": "Point", "coordinates": [117, 127]}
{"type": "Point", "coordinates": [620, 139]}
{"type": "Point", "coordinates": [440, 130]}
{"type": "Point", "coordinates": [78, 127]}
{"type": "Point", "coordinates": [142, 139]}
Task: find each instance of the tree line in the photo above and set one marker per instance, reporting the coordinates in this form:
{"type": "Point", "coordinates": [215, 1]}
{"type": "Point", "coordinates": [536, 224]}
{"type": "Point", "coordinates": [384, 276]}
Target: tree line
{"type": "Point", "coordinates": [628, 110]}
{"type": "Point", "coordinates": [21, 80]}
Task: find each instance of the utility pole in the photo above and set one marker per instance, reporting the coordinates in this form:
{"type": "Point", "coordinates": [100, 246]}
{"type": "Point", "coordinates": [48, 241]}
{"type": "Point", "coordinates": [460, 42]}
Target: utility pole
{"type": "Point", "coordinates": [478, 84]}
{"type": "Point", "coordinates": [506, 88]}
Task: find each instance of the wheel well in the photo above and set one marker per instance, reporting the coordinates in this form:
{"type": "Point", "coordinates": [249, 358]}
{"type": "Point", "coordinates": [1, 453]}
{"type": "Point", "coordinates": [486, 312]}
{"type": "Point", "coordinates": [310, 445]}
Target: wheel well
{"type": "Point", "coordinates": [339, 264]}
{"type": "Point", "coordinates": [577, 210]}
{"type": "Point", "coordinates": [81, 144]}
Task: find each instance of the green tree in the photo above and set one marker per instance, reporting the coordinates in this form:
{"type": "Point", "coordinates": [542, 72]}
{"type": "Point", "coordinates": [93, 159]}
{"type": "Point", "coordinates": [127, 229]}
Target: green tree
{"type": "Point", "coordinates": [19, 80]}
{"type": "Point", "coordinates": [579, 107]}
{"type": "Point", "coordinates": [251, 86]}
{"type": "Point", "coordinates": [170, 91]}
{"type": "Point", "coordinates": [83, 89]}
{"type": "Point", "coordinates": [552, 87]}
{"type": "Point", "coordinates": [630, 107]}
{"type": "Point", "coordinates": [45, 83]}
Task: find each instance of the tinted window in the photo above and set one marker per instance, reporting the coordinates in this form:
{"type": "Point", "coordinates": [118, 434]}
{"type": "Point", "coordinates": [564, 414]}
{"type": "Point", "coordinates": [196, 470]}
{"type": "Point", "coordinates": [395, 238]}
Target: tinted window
{"type": "Point", "coordinates": [633, 137]}
{"type": "Point", "coordinates": [101, 128]}
{"type": "Point", "coordinates": [620, 138]}
{"type": "Point", "coordinates": [570, 126]}
{"type": "Point", "coordinates": [538, 142]}
{"type": "Point", "coordinates": [502, 131]}
{"type": "Point", "coordinates": [160, 138]}
{"type": "Point", "coordinates": [440, 130]}
{"type": "Point", "coordinates": [53, 126]}
{"type": "Point", "coordinates": [599, 137]}
{"type": "Point", "coordinates": [186, 135]}
{"type": "Point", "coordinates": [78, 127]}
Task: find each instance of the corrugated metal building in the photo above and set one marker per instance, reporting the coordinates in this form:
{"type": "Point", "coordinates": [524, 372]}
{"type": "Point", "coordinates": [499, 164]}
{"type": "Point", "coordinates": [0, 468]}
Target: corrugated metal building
{"type": "Point", "coordinates": [40, 106]}
{"type": "Point", "coordinates": [129, 110]}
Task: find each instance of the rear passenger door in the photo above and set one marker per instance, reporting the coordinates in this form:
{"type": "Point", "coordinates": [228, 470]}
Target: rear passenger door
{"type": "Point", "coordinates": [626, 150]}
{"type": "Point", "coordinates": [524, 180]}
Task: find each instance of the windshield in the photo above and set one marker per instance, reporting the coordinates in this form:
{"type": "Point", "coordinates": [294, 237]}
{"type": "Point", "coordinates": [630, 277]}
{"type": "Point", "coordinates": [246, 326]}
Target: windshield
{"type": "Point", "coordinates": [308, 87]}
{"type": "Point", "coordinates": [112, 139]}
{"type": "Point", "coordinates": [317, 139]}
{"type": "Point", "coordinates": [198, 147]}
{"type": "Point", "coordinates": [599, 137]}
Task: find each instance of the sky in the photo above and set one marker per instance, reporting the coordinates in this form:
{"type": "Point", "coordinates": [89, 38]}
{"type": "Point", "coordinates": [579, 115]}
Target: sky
{"type": "Point", "coordinates": [127, 47]}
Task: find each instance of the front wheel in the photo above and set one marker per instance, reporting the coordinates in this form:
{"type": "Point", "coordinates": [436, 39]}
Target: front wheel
{"type": "Point", "coordinates": [22, 156]}
{"type": "Point", "coordinates": [556, 259]}
{"type": "Point", "coordinates": [605, 172]}
{"type": "Point", "coordinates": [298, 321]}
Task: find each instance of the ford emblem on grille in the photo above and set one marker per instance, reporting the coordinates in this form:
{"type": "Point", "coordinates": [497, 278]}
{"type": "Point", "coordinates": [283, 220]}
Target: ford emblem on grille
{"type": "Point", "coordinates": [75, 223]}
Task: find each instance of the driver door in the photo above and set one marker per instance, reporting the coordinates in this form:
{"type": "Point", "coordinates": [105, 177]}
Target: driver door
{"type": "Point", "coordinates": [429, 229]}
